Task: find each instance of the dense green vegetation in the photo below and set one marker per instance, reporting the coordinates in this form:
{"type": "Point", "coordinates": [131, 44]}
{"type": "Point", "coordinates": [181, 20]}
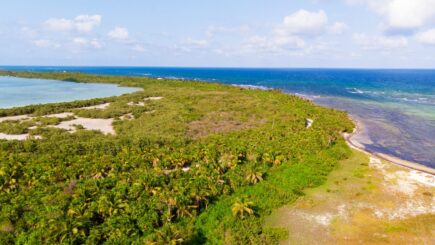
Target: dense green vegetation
{"type": "Point", "coordinates": [203, 165]}
{"type": "Point", "coordinates": [22, 127]}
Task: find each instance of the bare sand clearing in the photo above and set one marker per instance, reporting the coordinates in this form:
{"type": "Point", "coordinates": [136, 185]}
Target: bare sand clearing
{"type": "Point", "coordinates": [136, 104]}
{"type": "Point", "coordinates": [13, 137]}
{"type": "Point", "coordinates": [153, 98]}
{"type": "Point", "coordinates": [103, 125]}
{"type": "Point", "coordinates": [99, 107]}
{"type": "Point", "coordinates": [18, 136]}
{"type": "Point", "coordinates": [27, 117]}
{"type": "Point", "coordinates": [61, 115]}
{"type": "Point", "coordinates": [14, 118]}
{"type": "Point", "coordinates": [142, 103]}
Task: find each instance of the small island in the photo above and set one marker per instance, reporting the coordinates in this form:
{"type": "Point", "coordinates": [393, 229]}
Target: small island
{"type": "Point", "coordinates": [217, 122]}
{"type": "Point", "coordinates": [186, 162]}
{"type": "Point", "coordinates": [204, 162]}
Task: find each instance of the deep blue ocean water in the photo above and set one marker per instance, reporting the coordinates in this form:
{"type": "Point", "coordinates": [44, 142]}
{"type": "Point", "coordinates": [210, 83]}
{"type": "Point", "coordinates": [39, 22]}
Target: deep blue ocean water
{"type": "Point", "coordinates": [397, 107]}
{"type": "Point", "coordinates": [21, 91]}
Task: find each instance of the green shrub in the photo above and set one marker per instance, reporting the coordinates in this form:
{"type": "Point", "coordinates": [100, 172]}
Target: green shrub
{"type": "Point", "coordinates": [153, 181]}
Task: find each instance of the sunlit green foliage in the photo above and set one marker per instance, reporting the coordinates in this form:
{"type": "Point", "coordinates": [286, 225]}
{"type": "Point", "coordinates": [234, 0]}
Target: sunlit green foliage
{"type": "Point", "coordinates": [242, 208]}
{"type": "Point", "coordinates": [165, 177]}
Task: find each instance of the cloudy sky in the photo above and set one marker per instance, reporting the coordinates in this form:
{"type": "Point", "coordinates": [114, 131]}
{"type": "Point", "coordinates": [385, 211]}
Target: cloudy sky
{"type": "Point", "coordinates": [219, 33]}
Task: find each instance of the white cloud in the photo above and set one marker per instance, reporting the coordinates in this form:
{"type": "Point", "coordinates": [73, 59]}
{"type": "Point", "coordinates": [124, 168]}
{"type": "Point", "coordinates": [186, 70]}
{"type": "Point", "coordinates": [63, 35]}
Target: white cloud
{"type": "Point", "coordinates": [80, 41]}
{"type": "Point", "coordinates": [28, 32]}
{"type": "Point", "coordinates": [190, 45]}
{"type": "Point", "coordinates": [276, 44]}
{"type": "Point", "coordinates": [119, 33]}
{"type": "Point", "coordinates": [81, 23]}
{"type": "Point", "coordinates": [45, 43]}
{"type": "Point", "coordinates": [299, 33]}
{"type": "Point", "coordinates": [401, 16]}
{"type": "Point", "coordinates": [86, 23]}
{"type": "Point", "coordinates": [138, 48]}
{"type": "Point", "coordinates": [213, 30]}
{"type": "Point", "coordinates": [96, 44]}
{"type": "Point", "coordinates": [379, 42]}
{"type": "Point", "coordinates": [338, 28]}
{"type": "Point", "coordinates": [426, 37]}
{"type": "Point", "coordinates": [55, 24]}
{"type": "Point", "coordinates": [84, 42]}
{"type": "Point", "coordinates": [196, 43]}
{"type": "Point", "coordinates": [294, 32]}
{"type": "Point", "coordinates": [409, 14]}
{"type": "Point", "coordinates": [289, 42]}
{"type": "Point", "coordinates": [303, 23]}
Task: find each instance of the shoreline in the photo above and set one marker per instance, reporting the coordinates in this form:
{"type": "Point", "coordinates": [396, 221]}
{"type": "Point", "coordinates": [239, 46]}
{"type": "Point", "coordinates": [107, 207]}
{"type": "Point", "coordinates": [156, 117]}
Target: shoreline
{"type": "Point", "coordinates": [355, 144]}
{"type": "Point", "coordinates": [349, 137]}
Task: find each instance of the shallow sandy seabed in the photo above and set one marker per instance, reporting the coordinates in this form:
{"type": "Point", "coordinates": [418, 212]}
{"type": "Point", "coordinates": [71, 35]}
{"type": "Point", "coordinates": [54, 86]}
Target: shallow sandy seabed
{"type": "Point", "coordinates": [359, 137]}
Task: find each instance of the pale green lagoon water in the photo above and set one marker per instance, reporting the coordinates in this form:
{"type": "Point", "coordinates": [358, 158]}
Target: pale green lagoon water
{"type": "Point", "coordinates": [15, 92]}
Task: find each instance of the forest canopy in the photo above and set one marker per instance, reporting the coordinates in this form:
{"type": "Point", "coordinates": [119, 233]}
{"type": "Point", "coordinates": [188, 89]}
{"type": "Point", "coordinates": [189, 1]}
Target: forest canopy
{"type": "Point", "coordinates": [203, 165]}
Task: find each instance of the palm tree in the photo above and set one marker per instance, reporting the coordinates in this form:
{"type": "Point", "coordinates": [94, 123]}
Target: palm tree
{"type": "Point", "coordinates": [186, 211]}
{"type": "Point", "coordinates": [169, 234]}
{"type": "Point", "coordinates": [200, 200]}
{"type": "Point", "coordinates": [171, 204]}
{"type": "Point", "coordinates": [254, 177]}
{"type": "Point", "coordinates": [278, 160]}
{"type": "Point", "coordinates": [228, 161]}
{"type": "Point", "coordinates": [241, 208]}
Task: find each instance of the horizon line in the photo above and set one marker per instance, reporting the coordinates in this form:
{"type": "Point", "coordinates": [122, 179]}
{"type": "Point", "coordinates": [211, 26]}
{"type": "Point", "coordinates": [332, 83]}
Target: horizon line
{"type": "Point", "coordinates": [222, 67]}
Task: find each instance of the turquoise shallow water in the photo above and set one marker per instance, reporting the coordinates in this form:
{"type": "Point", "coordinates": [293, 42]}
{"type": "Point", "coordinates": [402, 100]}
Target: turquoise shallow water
{"type": "Point", "coordinates": [396, 106]}
{"type": "Point", "coordinates": [21, 91]}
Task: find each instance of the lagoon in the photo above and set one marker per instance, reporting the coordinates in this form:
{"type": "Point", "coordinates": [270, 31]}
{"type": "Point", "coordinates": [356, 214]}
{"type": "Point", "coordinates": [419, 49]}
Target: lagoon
{"type": "Point", "coordinates": [15, 92]}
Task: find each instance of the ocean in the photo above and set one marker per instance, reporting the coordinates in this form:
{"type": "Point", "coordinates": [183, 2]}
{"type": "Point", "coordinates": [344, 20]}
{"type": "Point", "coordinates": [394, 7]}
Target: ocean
{"type": "Point", "coordinates": [396, 107]}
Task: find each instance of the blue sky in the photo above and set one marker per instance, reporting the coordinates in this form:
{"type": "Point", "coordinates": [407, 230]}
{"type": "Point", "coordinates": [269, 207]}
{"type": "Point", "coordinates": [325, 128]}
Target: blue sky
{"type": "Point", "coordinates": [224, 33]}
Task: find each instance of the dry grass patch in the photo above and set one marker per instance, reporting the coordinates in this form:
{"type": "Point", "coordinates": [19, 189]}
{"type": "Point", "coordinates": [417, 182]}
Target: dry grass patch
{"type": "Point", "coordinates": [221, 122]}
{"type": "Point", "coordinates": [374, 203]}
